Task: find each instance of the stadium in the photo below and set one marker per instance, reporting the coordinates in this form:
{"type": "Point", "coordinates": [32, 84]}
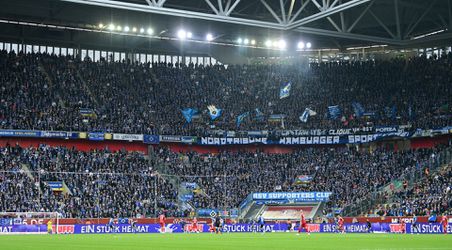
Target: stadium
{"type": "Point", "coordinates": [225, 124]}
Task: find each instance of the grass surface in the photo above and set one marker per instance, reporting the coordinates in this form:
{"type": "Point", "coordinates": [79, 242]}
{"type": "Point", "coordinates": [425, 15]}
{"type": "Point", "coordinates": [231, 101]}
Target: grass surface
{"type": "Point", "coordinates": [226, 241]}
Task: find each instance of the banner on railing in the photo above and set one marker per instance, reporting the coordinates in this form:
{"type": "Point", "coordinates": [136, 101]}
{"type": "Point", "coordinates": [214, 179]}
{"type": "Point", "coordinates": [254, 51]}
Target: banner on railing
{"type": "Point", "coordinates": [128, 137]}
{"type": "Point", "coordinates": [293, 196]}
{"type": "Point", "coordinates": [420, 228]}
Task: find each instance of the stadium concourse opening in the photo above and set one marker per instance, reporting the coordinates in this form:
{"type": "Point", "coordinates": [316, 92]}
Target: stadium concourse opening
{"type": "Point", "coordinates": [229, 124]}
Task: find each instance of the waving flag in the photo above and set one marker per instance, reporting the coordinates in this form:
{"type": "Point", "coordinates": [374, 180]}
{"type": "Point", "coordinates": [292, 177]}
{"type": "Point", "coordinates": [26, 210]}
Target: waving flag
{"type": "Point", "coordinates": [358, 109]}
{"type": "Point", "coordinates": [307, 112]}
{"type": "Point", "coordinates": [188, 114]}
{"type": "Point", "coordinates": [259, 115]}
{"type": "Point", "coordinates": [214, 112]}
{"type": "Point", "coordinates": [241, 117]}
{"type": "Point", "coordinates": [303, 179]}
{"type": "Point", "coordinates": [334, 111]}
{"type": "Point", "coordinates": [285, 90]}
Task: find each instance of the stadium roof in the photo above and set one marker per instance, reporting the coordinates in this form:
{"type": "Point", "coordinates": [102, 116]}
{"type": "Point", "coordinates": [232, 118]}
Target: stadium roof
{"type": "Point", "coordinates": [325, 23]}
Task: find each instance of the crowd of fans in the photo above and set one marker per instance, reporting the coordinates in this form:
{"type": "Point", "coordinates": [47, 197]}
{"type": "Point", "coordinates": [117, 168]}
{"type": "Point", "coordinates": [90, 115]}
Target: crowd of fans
{"type": "Point", "coordinates": [40, 91]}
{"type": "Point", "coordinates": [99, 183]}
{"type": "Point", "coordinates": [225, 179]}
{"type": "Point", "coordinates": [431, 196]}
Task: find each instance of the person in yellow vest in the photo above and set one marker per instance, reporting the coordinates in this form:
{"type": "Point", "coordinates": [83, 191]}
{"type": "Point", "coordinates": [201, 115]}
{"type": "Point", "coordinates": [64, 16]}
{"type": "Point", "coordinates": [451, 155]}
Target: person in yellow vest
{"type": "Point", "coordinates": [49, 227]}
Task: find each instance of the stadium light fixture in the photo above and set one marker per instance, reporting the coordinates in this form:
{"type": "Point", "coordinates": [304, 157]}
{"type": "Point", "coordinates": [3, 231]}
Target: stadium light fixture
{"type": "Point", "coordinates": [246, 41]}
{"type": "Point", "coordinates": [268, 43]}
{"type": "Point", "coordinates": [141, 30]}
{"type": "Point", "coordinates": [282, 44]}
{"type": "Point", "coordinates": [189, 35]}
{"type": "Point", "coordinates": [126, 29]}
{"type": "Point", "coordinates": [182, 34]}
{"type": "Point", "coordinates": [253, 42]}
{"type": "Point", "coordinates": [308, 45]}
{"type": "Point", "coordinates": [111, 27]}
{"type": "Point", "coordinates": [101, 25]}
{"type": "Point", "coordinates": [119, 28]}
{"type": "Point", "coordinates": [239, 41]}
{"type": "Point", "coordinates": [301, 45]}
{"type": "Point", "coordinates": [150, 31]}
{"type": "Point", "coordinates": [209, 37]}
{"type": "Point", "coordinates": [134, 29]}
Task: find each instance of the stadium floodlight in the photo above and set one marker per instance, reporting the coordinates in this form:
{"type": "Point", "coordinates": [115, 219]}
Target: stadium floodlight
{"type": "Point", "coordinates": [111, 27]}
{"type": "Point", "coordinates": [134, 29]}
{"type": "Point", "coordinates": [253, 42]}
{"type": "Point", "coordinates": [301, 45]}
{"type": "Point", "coordinates": [282, 44]}
{"type": "Point", "coordinates": [246, 41]}
{"type": "Point", "coordinates": [126, 29]}
{"type": "Point", "coordinates": [119, 28]}
{"type": "Point", "coordinates": [182, 34]}
{"type": "Point", "coordinates": [101, 25]}
{"type": "Point", "coordinates": [189, 35]}
{"type": "Point", "coordinates": [308, 45]}
{"type": "Point", "coordinates": [209, 37]}
{"type": "Point", "coordinates": [150, 31]}
{"type": "Point", "coordinates": [239, 41]}
{"type": "Point", "coordinates": [141, 30]}
{"type": "Point", "coordinates": [268, 43]}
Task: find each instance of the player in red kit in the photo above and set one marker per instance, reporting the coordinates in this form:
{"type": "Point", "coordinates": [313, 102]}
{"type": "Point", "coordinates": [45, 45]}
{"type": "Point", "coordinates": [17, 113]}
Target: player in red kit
{"type": "Point", "coordinates": [340, 224]}
{"type": "Point", "coordinates": [303, 224]}
{"type": "Point", "coordinates": [194, 226]}
{"type": "Point", "coordinates": [402, 225]}
{"type": "Point", "coordinates": [162, 222]}
{"type": "Point", "coordinates": [444, 222]}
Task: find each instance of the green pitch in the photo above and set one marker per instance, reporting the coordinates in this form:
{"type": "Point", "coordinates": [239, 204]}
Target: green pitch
{"type": "Point", "coordinates": [234, 241]}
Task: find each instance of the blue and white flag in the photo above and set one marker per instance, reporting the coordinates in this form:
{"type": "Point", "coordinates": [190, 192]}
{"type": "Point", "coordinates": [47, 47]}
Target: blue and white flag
{"type": "Point", "coordinates": [358, 109]}
{"type": "Point", "coordinates": [306, 114]}
{"type": "Point", "coordinates": [334, 111]}
{"type": "Point", "coordinates": [411, 113]}
{"type": "Point", "coordinates": [188, 114]}
{"type": "Point", "coordinates": [241, 117]}
{"type": "Point", "coordinates": [259, 115]}
{"type": "Point", "coordinates": [214, 112]}
{"type": "Point", "coordinates": [285, 90]}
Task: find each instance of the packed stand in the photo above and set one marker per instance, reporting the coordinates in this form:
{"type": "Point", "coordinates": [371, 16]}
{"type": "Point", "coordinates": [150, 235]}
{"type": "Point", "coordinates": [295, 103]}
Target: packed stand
{"type": "Point", "coordinates": [100, 183]}
{"type": "Point", "coordinates": [40, 91]}
{"type": "Point", "coordinates": [431, 196]}
{"type": "Point", "coordinates": [227, 178]}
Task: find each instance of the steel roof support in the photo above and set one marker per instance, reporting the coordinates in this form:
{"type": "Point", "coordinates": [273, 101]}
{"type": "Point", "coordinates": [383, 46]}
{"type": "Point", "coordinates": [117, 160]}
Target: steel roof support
{"type": "Point", "coordinates": [382, 24]}
{"type": "Point", "coordinates": [229, 10]}
{"type": "Point", "coordinates": [299, 11]}
{"type": "Point", "coordinates": [420, 19]}
{"type": "Point", "coordinates": [360, 16]}
{"type": "Point", "coordinates": [271, 11]}
{"type": "Point", "coordinates": [397, 17]}
{"type": "Point", "coordinates": [326, 13]}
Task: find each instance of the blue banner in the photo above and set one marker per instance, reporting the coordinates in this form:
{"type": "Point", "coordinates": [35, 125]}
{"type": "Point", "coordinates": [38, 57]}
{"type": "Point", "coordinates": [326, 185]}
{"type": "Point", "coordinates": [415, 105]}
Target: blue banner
{"type": "Point", "coordinates": [259, 115]}
{"type": "Point", "coordinates": [19, 133]}
{"type": "Point", "coordinates": [334, 111]}
{"type": "Point", "coordinates": [285, 90]}
{"type": "Point", "coordinates": [214, 112]}
{"type": "Point", "coordinates": [59, 134]}
{"type": "Point", "coordinates": [240, 118]}
{"type": "Point", "coordinates": [358, 109]}
{"type": "Point", "coordinates": [304, 117]}
{"type": "Point", "coordinates": [295, 196]}
{"type": "Point", "coordinates": [96, 136]}
{"type": "Point", "coordinates": [188, 114]}
{"type": "Point", "coordinates": [151, 139]}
